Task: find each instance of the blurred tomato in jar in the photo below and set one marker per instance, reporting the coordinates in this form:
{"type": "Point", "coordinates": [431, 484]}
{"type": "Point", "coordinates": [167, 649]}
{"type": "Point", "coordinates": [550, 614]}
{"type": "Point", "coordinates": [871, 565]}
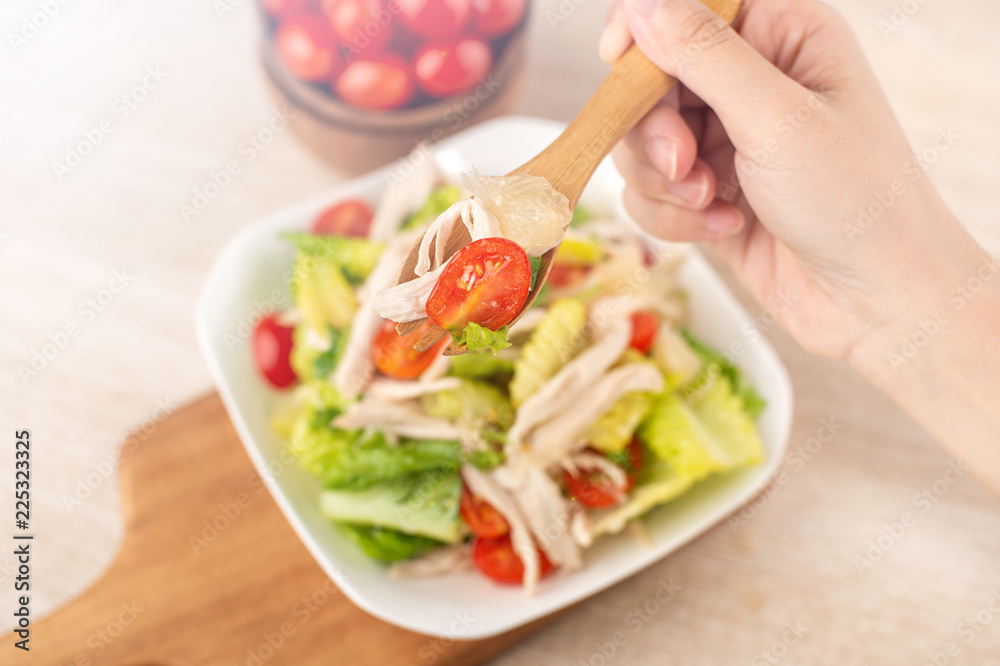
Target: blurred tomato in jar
{"type": "Point", "coordinates": [451, 68]}
{"type": "Point", "coordinates": [306, 46]}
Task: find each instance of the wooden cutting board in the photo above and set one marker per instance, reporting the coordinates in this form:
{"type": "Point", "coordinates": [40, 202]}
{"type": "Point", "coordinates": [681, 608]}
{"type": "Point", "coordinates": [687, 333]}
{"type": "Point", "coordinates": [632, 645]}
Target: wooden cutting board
{"type": "Point", "coordinates": [247, 593]}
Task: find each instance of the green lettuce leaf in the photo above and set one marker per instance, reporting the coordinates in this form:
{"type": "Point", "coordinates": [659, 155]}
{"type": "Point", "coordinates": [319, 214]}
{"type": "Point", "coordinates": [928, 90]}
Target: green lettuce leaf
{"type": "Point", "coordinates": [440, 200]}
{"type": "Point", "coordinates": [374, 461]}
{"type": "Point", "coordinates": [356, 257]}
{"type": "Point", "coordinates": [316, 444]}
{"type": "Point", "coordinates": [476, 337]}
{"type": "Point", "coordinates": [310, 363]}
{"type": "Point", "coordinates": [614, 430]}
{"type": "Point", "coordinates": [715, 366]}
{"type": "Point", "coordinates": [387, 545]}
{"type": "Point", "coordinates": [424, 504]}
{"type": "Point", "coordinates": [479, 365]}
{"type": "Point", "coordinates": [556, 339]}
{"type": "Point", "coordinates": [472, 402]}
{"type": "Point", "coordinates": [322, 293]}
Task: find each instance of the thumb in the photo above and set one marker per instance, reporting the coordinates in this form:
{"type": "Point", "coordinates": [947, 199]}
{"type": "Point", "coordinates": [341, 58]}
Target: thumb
{"type": "Point", "coordinates": [689, 41]}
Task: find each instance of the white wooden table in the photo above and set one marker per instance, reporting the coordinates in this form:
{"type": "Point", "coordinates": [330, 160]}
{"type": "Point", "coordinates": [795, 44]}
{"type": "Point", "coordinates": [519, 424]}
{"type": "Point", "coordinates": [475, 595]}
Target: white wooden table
{"type": "Point", "coordinates": [100, 273]}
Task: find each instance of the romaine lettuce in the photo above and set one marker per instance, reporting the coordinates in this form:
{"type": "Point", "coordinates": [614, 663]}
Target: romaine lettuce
{"type": "Point", "coordinates": [373, 461]}
{"type": "Point", "coordinates": [614, 430]}
{"type": "Point", "coordinates": [356, 257]}
{"type": "Point", "coordinates": [556, 339]}
{"type": "Point", "coordinates": [424, 504]}
{"type": "Point", "coordinates": [440, 200]}
{"type": "Point", "coordinates": [387, 545]}
{"type": "Point", "coordinates": [477, 338]}
{"type": "Point", "coordinates": [716, 366]}
{"type": "Point", "coordinates": [472, 402]}
{"type": "Point", "coordinates": [479, 365]}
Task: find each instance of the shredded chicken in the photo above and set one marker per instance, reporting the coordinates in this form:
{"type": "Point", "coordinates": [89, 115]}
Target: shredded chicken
{"type": "Point", "coordinates": [557, 436]}
{"type": "Point", "coordinates": [356, 369]}
{"type": "Point", "coordinates": [588, 460]}
{"type": "Point", "coordinates": [444, 560]}
{"type": "Point", "coordinates": [398, 419]}
{"type": "Point", "coordinates": [406, 301]}
{"type": "Point", "coordinates": [486, 486]}
{"type": "Point", "coordinates": [560, 393]}
{"type": "Point", "coordinates": [579, 528]}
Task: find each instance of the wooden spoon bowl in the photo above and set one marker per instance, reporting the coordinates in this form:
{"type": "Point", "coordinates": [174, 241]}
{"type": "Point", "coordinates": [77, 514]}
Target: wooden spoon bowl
{"type": "Point", "coordinates": [631, 89]}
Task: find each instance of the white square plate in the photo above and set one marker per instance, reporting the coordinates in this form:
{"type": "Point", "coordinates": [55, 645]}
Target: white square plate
{"type": "Point", "coordinates": [256, 263]}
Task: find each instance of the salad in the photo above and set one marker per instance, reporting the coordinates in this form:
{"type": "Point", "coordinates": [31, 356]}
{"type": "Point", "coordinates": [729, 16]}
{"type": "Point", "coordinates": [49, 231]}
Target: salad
{"type": "Point", "coordinates": [594, 407]}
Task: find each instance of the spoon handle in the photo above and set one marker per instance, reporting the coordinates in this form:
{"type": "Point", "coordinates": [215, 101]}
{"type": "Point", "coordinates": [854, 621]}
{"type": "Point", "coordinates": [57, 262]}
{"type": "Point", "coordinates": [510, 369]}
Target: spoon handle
{"type": "Point", "coordinates": [633, 87]}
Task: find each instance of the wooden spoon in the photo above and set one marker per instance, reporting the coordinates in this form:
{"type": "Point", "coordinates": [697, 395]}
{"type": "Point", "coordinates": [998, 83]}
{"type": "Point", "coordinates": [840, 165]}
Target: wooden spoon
{"type": "Point", "coordinates": [632, 88]}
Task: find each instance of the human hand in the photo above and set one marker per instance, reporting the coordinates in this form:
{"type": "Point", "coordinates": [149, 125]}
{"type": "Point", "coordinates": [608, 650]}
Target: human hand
{"type": "Point", "coordinates": [781, 150]}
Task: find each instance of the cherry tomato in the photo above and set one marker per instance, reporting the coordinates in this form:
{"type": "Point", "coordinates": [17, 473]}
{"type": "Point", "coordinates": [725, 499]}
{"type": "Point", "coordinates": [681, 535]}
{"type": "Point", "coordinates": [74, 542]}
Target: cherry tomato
{"type": "Point", "coordinates": [435, 19]}
{"type": "Point", "coordinates": [352, 217]}
{"type": "Point", "coordinates": [644, 327]}
{"type": "Point", "coordinates": [282, 8]}
{"type": "Point", "coordinates": [493, 18]}
{"type": "Point", "coordinates": [593, 488]}
{"type": "Point", "coordinates": [272, 349]}
{"type": "Point", "coordinates": [563, 276]}
{"type": "Point", "coordinates": [496, 559]}
{"type": "Point", "coordinates": [451, 68]}
{"type": "Point", "coordinates": [364, 25]}
{"type": "Point", "coordinates": [306, 45]}
{"type": "Point", "coordinates": [481, 517]}
{"type": "Point", "coordinates": [394, 356]}
{"type": "Point", "coordinates": [377, 83]}
{"type": "Point", "coordinates": [487, 282]}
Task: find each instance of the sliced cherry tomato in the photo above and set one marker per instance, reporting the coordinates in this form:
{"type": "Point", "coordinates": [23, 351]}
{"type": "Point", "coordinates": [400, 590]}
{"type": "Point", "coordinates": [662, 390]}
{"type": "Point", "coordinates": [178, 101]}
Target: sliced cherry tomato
{"type": "Point", "coordinates": [497, 560]}
{"type": "Point", "coordinates": [365, 26]}
{"type": "Point", "coordinates": [378, 83]}
{"type": "Point", "coordinates": [486, 282]}
{"type": "Point", "coordinates": [450, 68]}
{"type": "Point", "coordinates": [352, 217]}
{"type": "Point", "coordinates": [282, 8]}
{"type": "Point", "coordinates": [563, 276]}
{"type": "Point", "coordinates": [272, 349]}
{"type": "Point", "coordinates": [480, 516]}
{"type": "Point", "coordinates": [305, 43]}
{"type": "Point", "coordinates": [394, 356]}
{"type": "Point", "coordinates": [593, 488]}
{"type": "Point", "coordinates": [644, 327]}
{"type": "Point", "coordinates": [435, 19]}
{"type": "Point", "coordinates": [493, 18]}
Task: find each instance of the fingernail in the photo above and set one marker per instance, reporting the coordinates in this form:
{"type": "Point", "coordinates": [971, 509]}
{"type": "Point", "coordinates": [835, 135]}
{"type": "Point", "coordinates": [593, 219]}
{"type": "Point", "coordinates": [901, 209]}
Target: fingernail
{"type": "Point", "coordinates": [644, 7]}
{"type": "Point", "coordinates": [723, 222]}
{"type": "Point", "coordinates": [692, 190]}
{"type": "Point", "coordinates": [663, 154]}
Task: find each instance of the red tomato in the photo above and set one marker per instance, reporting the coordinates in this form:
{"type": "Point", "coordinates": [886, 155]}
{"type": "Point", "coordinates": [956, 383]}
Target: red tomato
{"type": "Point", "coordinates": [379, 83]}
{"type": "Point", "coordinates": [497, 560]}
{"type": "Point", "coordinates": [594, 489]}
{"type": "Point", "coordinates": [272, 349]}
{"type": "Point", "coordinates": [448, 69]}
{"type": "Point", "coordinates": [487, 282]}
{"type": "Point", "coordinates": [282, 8]}
{"type": "Point", "coordinates": [481, 517]}
{"type": "Point", "coordinates": [563, 276]}
{"type": "Point", "coordinates": [364, 25]}
{"type": "Point", "coordinates": [394, 356]}
{"type": "Point", "coordinates": [307, 46]}
{"type": "Point", "coordinates": [435, 19]}
{"type": "Point", "coordinates": [644, 327]}
{"type": "Point", "coordinates": [492, 18]}
{"type": "Point", "coordinates": [352, 217]}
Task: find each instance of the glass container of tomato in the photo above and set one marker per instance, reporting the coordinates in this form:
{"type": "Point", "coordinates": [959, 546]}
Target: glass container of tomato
{"type": "Point", "coordinates": [371, 79]}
